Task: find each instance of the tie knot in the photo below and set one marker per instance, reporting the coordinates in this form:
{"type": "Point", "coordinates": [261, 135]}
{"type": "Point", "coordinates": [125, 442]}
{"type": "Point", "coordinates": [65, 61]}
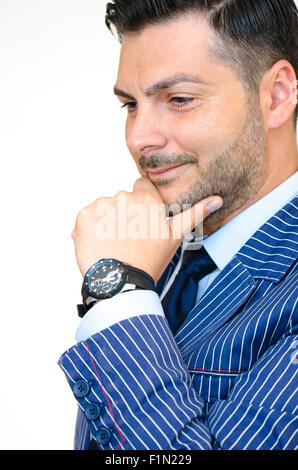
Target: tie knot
{"type": "Point", "coordinates": [197, 263]}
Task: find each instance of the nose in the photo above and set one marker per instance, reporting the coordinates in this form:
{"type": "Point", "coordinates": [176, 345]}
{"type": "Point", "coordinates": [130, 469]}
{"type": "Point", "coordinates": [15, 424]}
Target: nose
{"type": "Point", "coordinates": [145, 132]}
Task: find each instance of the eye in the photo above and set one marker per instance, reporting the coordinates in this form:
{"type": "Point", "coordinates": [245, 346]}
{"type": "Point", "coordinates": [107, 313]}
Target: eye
{"type": "Point", "coordinates": [130, 106]}
{"type": "Point", "coordinates": [181, 101]}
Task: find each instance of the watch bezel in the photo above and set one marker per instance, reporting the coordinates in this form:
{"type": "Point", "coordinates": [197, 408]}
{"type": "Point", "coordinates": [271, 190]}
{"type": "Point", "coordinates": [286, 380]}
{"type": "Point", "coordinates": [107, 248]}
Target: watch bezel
{"type": "Point", "coordinates": [117, 289]}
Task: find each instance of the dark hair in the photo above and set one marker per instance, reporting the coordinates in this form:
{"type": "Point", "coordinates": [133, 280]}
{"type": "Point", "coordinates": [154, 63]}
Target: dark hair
{"type": "Point", "coordinates": [251, 35]}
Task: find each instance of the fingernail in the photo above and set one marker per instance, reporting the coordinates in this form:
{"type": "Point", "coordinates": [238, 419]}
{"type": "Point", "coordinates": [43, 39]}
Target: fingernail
{"type": "Point", "coordinates": [214, 205]}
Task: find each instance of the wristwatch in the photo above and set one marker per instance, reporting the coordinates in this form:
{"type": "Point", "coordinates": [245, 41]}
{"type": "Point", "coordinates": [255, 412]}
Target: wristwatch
{"type": "Point", "coordinates": [107, 278]}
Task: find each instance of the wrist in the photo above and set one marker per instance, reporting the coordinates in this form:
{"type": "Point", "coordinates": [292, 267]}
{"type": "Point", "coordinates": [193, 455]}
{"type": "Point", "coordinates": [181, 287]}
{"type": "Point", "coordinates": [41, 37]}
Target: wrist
{"type": "Point", "coordinates": [91, 301]}
{"type": "Point", "coordinates": [109, 277]}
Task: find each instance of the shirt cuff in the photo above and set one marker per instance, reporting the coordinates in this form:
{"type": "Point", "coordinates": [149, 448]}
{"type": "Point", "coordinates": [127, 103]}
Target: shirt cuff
{"type": "Point", "coordinates": [110, 311]}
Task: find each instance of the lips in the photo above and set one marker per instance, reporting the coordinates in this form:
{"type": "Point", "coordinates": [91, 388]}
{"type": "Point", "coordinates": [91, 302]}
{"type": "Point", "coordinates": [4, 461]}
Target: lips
{"type": "Point", "coordinates": [165, 171]}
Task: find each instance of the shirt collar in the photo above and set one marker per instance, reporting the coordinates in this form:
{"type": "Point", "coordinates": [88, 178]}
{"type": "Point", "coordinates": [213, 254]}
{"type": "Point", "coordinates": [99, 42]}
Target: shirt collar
{"type": "Point", "coordinates": [225, 243]}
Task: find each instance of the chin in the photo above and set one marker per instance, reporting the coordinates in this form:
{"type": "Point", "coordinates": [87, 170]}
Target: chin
{"type": "Point", "coordinates": [167, 194]}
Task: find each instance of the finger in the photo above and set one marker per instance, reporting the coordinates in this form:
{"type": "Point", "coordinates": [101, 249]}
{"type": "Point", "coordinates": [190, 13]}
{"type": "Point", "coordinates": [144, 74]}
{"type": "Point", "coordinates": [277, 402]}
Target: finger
{"type": "Point", "coordinates": [182, 224]}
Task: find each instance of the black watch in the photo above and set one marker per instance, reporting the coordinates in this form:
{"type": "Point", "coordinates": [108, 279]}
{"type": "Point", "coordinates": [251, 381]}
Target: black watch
{"type": "Point", "coordinates": [107, 278]}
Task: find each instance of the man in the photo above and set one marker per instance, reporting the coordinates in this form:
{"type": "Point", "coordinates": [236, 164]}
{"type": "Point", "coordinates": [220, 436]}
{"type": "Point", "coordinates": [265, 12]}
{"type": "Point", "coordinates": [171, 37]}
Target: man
{"type": "Point", "coordinates": [208, 361]}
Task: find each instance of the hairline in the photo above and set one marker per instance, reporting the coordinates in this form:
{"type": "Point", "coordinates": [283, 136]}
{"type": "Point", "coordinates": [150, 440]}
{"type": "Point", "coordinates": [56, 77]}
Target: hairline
{"type": "Point", "coordinates": [221, 49]}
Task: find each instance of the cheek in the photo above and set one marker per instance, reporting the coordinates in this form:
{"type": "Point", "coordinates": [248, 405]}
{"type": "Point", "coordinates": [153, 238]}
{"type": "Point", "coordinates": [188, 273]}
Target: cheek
{"type": "Point", "coordinates": [208, 134]}
{"type": "Point", "coordinates": [196, 134]}
{"type": "Point", "coordinates": [128, 129]}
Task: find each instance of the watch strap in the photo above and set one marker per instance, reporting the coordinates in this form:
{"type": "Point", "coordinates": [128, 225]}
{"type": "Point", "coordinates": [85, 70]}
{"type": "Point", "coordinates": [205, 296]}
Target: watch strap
{"type": "Point", "coordinates": [90, 301]}
{"type": "Point", "coordinates": [140, 278]}
{"type": "Point", "coordinates": [83, 309]}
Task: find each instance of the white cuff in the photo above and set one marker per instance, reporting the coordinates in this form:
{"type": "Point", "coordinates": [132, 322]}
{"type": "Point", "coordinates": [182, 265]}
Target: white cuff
{"type": "Point", "coordinates": [110, 311]}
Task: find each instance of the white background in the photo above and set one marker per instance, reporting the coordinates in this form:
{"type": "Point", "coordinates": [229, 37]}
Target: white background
{"type": "Point", "coordinates": [61, 147]}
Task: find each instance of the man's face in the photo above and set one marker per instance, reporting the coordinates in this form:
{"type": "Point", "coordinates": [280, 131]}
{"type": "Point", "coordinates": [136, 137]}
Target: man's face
{"type": "Point", "coordinates": [190, 115]}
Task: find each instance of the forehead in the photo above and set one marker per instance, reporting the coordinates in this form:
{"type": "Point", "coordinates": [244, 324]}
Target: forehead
{"type": "Point", "coordinates": [182, 45]}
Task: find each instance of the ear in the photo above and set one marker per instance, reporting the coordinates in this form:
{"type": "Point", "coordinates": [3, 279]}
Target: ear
{"type": "Point", "coordinates": [279, 87]}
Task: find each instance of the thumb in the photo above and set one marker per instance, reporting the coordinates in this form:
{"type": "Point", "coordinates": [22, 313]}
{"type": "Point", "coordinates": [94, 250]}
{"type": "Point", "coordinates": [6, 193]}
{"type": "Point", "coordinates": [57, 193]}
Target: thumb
{"type": "Point", "coordinates": [182, 224]}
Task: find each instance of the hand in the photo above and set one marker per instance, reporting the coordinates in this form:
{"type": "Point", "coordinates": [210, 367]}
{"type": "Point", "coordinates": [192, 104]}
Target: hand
{"type": "Point", "coordinates": [134, 228]}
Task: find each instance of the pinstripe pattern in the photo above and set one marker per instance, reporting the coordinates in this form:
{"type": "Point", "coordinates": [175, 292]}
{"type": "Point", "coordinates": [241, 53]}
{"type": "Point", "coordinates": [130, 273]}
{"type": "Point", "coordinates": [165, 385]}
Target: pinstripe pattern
{"type": "Point", "coordinates": [228, 380]}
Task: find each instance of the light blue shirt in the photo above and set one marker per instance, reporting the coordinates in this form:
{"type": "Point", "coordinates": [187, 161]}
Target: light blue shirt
{"type": "Point", "coordinates": [221, 246]}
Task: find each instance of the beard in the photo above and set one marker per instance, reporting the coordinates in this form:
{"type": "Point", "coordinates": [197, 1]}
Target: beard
{"type": "Point", "coordinates": [236, 174]}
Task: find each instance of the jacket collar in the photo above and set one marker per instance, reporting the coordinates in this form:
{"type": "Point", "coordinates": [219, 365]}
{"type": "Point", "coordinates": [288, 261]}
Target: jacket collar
{"type": "Point", "coordinates": [270, 253]}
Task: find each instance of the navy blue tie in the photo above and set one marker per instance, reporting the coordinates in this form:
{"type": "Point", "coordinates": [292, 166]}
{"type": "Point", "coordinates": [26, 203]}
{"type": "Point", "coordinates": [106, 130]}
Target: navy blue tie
{"type": "Point", "coordinates": [181, 297]}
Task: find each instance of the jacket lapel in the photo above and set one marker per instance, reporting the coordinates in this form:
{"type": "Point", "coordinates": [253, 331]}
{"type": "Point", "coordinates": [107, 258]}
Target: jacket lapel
{"type": "Point", "coordinates": [226, 295]}
{"type": "Point", "coordinates": [269, 254]}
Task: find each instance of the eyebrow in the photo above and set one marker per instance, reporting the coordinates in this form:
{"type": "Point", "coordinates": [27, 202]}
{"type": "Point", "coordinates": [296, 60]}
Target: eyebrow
{"type": "Point", "coordinates": [164, 84]}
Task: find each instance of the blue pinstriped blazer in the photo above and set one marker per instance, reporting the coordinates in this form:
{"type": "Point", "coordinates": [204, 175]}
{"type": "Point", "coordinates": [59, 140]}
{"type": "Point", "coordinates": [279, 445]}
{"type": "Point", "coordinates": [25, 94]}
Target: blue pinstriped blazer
{"type": "Point", "coordinates": [228, 380]}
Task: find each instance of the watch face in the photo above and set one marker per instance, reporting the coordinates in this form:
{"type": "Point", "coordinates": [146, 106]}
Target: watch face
{"type": "Point", "coordinates": [105, 279]}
